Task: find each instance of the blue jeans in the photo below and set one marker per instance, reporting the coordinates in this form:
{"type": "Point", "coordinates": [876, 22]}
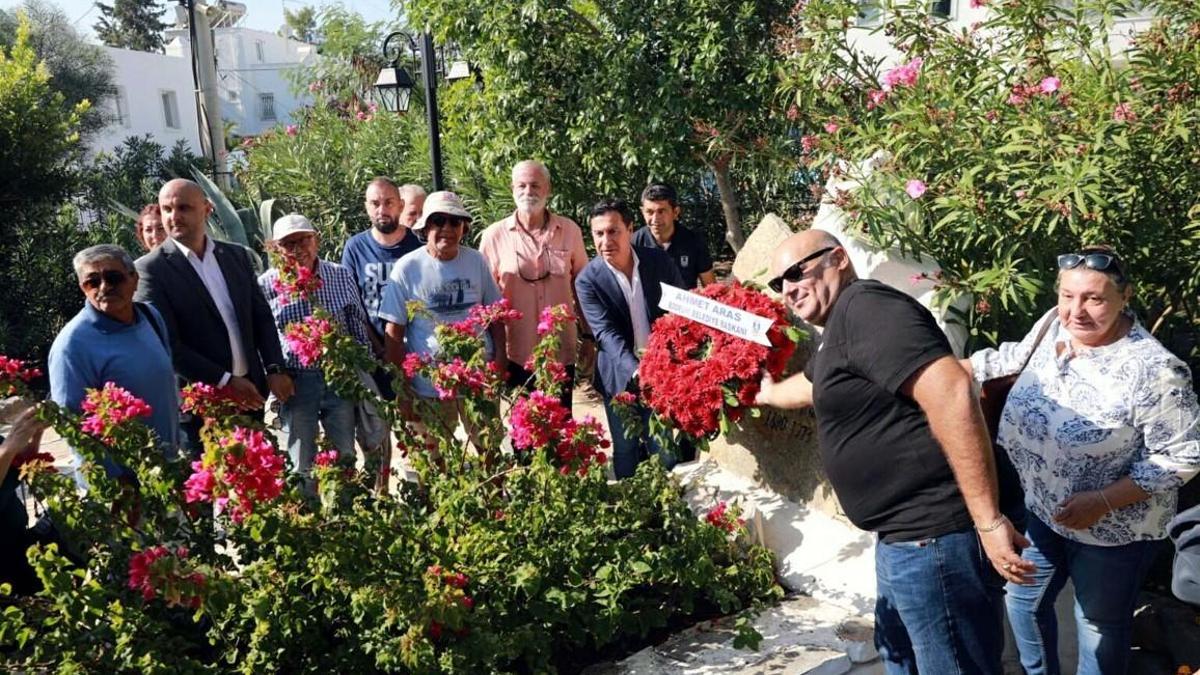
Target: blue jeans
{"type": "Point", "coordinates": [1107, 580]}
{"type": "Point", "coordinates": [940, 607]}
{"type": "Point", "coordinates": [627, 452]}
{"type": "Point", "coordinates": [313, 402]}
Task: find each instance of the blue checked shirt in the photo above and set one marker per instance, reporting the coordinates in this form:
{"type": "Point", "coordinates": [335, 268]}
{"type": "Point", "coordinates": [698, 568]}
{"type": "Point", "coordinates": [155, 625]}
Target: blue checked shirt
{"type": "Point", "coordinates": [338, 295]}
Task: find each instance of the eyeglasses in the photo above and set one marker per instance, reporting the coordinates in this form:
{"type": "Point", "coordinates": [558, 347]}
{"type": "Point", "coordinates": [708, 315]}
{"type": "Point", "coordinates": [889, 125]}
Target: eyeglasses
{"type": "Point", "coordinates": [110, 277]}
{"type": "Point", "coordinates": [442, 219]}
{"type": "Point", "coordinates": [795, 272]}
{"type": "Point", "coordinates": [1100, 262]}
{"type": "Point", "coordinates": [538, 264]}
{"type": "Point", "coordinates": [294, 242]}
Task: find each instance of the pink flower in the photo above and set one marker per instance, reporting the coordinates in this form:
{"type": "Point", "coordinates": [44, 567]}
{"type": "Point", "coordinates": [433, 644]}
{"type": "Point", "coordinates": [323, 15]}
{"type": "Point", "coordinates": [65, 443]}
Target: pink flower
{"type": "Point", "coordinates": [625, 398]}
{"type": "Point", "coordinates": [292, 130]}
{"type": "Point", "coordinates": [362, 116]}
{"type": "Point", "coordinates": [412, 364]}
{"type": "Point", "coordinates": [917, 278]}
{"type": "Point", "coordinates": [904, 75]}
{"type": "Point", "coordinates": [242, 471]}
{"type": "Point", "coordinates": [1019, 194]}
{"type": "Point", "coordinates": [875, 97]}
{"type": "Point", "coordinates": [326, 458]}
{"type": "Point", "coordinates": [831, 127]}
{"type": "Point", "coordinates": [1123, 112]}
{"type": "Point", "coordinates": [109, 408]}
{"type": "Point", "coordinates": [809, 143]}
{"type": "Point", "coordinates": [305, 339]}
{"type": "Point", "coordinates": [991, 116]}
{"type": "Point", "coordinates": [552, 317]}
{"type": "Point", "coordinates": [720, 518]}
{"type": "Point", "coordinates": [915, 188]}
{"type": "Point", "coordinates": [976, 4]}
{"type": "Point", "coordinates": [793, 112]}
{"type": "Point", "coordinates": [1050, 85]}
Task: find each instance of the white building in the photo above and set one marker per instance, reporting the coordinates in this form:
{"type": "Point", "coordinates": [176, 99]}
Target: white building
{"type": "Point", "coordinates": [154, 96]}
{"type": "Point", "coordinates": [252, 67]}
{"type": "Point", "coordinates": [867, 37]}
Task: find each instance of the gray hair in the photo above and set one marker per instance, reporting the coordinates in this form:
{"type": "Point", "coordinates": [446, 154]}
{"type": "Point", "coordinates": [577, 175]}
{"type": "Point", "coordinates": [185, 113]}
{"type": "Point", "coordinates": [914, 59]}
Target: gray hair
{"type": "Point", "coordinates": [94, 254]}
{"type": "Point", "coordinates": [411, 190]}
{"type": "Point", "coordinates": [532, 163]}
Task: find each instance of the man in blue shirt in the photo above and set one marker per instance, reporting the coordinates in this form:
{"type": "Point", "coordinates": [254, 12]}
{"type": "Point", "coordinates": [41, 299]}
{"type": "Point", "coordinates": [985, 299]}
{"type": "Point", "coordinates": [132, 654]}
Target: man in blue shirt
{"type": "Point", "coordinates": [370, 254]}
{"type": "Point", "coordinates": [660, 209]}
{"type": "Point", "coordinates": [114, 339]}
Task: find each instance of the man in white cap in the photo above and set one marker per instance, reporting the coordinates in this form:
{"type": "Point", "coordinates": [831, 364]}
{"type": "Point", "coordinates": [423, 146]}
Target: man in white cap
{"type": "Point", "coordinates": [447, 279]}
{"type": "Point", "coordinates": [297, 242]}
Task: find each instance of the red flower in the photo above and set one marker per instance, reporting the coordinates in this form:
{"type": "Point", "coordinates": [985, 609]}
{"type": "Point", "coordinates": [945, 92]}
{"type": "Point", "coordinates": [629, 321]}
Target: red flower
{"type": "Point", "coordinates": [722, 518]}
{"type": "Point", "coordinates": [208, 402]}
{"type": "Point", "coordinates": [294, 281]}
{"type": "Point", "coordinates": [158, 571]}
{"type": "Point", "coordinates": [14, 375]}
{"type": "Point", "coordinates": [691, 373]}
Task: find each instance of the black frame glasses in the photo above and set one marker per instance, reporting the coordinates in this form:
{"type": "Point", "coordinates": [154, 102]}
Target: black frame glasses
{"type": "Point", "coordinates": [544, 264]}
{"type": "Point", "coordinates": [1095, 260]}
{"type": "Point", "coordinates": [795, 272]}
{"type": "Point", "coordinates": [110, 277]}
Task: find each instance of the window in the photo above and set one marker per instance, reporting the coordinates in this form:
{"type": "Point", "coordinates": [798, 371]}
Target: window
{"type": "Point", "coordinates": [258, 49]}
{"type": "Point", "coordinates": [942, 8]}
{"type": "Point", "coordinates": [121, 108]}
{"type": "Point", "coordinates": [170, 106]}
{"type": "Point", "coordinates": [266, 107]}
{"type": "Point", "coordinates": [870, 13]}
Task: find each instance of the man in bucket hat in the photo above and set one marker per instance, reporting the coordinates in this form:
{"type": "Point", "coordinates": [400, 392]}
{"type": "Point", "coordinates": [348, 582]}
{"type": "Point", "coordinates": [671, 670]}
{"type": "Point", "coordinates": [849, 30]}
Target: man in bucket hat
{"type": "Point", "coordinates": [447, 280]}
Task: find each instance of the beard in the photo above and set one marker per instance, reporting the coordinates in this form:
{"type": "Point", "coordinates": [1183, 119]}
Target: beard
{"type": "Point", "coordinates": [531, 204]}
{"type": "Point", "coordinates": [386, 225]}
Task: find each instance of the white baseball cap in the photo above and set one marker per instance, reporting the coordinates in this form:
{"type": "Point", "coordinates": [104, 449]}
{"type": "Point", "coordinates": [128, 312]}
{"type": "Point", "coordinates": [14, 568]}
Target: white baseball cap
{"type": "Point", "coordinates": [442, 201]}
{"type": "Point", "coordinates": [291, 224]}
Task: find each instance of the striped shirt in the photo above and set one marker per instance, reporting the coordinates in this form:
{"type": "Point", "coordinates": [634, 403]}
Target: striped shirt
{"type": "Point", "coordinates": [338, 295]}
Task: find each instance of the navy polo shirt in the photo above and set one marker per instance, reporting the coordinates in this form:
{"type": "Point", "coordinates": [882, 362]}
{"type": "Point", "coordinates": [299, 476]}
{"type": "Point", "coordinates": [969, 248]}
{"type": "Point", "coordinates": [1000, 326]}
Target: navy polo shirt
{"type": "Point", "coordinates": [686, 248]}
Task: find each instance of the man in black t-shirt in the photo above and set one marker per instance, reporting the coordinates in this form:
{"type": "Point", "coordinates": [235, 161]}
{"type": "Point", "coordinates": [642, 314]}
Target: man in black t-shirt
{"type": "Point", "coordinates": [660, 209]}
{"type": "Point", "coordinates": [906, 450]}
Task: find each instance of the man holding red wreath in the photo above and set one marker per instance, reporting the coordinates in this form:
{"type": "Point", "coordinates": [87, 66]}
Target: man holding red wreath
{"type": "Point", "coordinates": [618, 294]}
{"type": "Point", "coordinates": [905, 447]}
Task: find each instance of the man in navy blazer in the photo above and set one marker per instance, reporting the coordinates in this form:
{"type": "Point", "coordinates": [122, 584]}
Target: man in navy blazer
{"type": "Point", "coordinates": [618, 293]}
{"type": "Point", "coordinates": [221, 327]}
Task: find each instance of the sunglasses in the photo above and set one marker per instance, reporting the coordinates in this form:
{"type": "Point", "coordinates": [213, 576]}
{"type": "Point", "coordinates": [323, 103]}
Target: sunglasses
{"type": "Point", "coordinates": [795, 272]}
{"type": "Point", "coordinates": [442, 219]}
{"type": "Point", "coordinates": [1100, 262]}
{"type": "Point", "coordinates": [110, 277]}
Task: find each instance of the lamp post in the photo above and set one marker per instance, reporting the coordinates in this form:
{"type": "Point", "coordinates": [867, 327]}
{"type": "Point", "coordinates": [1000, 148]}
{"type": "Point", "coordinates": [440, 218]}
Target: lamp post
{"type": "Point", "coordinates": [394, 87]}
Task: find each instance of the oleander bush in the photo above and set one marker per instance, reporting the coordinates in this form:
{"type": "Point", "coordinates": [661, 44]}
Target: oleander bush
{"type": "Point", "coordinates": [1006, 142]}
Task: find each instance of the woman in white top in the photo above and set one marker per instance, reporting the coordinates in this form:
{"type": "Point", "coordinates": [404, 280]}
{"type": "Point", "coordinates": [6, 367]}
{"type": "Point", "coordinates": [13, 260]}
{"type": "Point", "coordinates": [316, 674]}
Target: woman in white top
{"type": "Point", "coordinates": [1102, 427]}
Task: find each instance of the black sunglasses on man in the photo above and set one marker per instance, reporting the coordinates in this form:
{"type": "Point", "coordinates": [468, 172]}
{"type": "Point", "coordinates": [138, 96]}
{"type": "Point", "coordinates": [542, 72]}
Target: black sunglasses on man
{"type": "Point", "coordinates": [795, 272]}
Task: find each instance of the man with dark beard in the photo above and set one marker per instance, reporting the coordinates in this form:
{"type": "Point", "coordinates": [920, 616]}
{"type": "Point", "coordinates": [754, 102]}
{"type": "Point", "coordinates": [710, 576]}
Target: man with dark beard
{"type": "Point", "coordinates": [369, 255]}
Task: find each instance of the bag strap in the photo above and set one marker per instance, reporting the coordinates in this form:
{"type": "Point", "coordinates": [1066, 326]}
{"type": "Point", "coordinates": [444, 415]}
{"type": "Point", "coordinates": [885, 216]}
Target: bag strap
{"type": "Point", "coordinates": [149, 316]}
{"type": "Point", "coordinates": [1037, 341]}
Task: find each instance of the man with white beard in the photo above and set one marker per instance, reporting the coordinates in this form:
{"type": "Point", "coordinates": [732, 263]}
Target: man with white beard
{"type": "Point", "coordinates": [534, 256]}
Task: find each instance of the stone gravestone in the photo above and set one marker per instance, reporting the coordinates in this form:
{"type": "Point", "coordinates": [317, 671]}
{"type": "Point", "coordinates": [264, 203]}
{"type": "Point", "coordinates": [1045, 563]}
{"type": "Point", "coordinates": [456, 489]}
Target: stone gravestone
{"type": "Point", "coordinates": [778, 449]}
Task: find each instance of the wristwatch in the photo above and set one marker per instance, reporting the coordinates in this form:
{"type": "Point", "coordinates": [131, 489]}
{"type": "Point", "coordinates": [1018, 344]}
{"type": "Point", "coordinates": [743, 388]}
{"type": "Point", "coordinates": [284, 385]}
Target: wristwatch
{"type": "Point", "coordinates": [276, 369]}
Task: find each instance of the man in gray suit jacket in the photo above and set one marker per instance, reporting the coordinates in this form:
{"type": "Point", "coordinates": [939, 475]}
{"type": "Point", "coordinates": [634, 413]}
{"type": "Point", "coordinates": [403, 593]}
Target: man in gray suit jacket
{"type": "Point", "coordinates": [221, 327]}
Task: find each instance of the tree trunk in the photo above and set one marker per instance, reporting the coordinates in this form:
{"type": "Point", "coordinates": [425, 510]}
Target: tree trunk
{"type": "Point", "coordinates": [729, 204]}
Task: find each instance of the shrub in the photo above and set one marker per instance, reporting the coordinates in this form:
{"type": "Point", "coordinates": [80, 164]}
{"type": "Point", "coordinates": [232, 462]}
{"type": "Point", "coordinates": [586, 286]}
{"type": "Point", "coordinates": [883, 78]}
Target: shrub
{"type": "Point", "coordinates": [1018, 138]}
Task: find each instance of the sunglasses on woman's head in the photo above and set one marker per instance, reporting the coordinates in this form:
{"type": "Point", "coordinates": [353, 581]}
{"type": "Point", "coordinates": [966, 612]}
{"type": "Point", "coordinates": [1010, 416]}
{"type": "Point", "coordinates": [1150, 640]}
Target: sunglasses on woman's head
{"type": "Point", "coordinates": [795, 272]}
{"type": "Point", "coordinates": [110, 277]}
{"type": "Point", "coordinates": [1100, 262]}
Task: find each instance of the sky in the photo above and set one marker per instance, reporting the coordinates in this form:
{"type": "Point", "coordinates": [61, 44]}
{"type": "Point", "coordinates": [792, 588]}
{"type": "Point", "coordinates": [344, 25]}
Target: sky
{"type": "Point", "coordinates": [260, 14]}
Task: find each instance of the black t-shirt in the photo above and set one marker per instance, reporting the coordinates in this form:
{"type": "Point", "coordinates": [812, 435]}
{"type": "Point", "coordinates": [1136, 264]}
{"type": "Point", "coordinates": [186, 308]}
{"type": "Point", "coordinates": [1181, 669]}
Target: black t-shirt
{"type": "Point", "coordinates": [686, 248]}
{"type": "Point", "coordinates": [889, 473]}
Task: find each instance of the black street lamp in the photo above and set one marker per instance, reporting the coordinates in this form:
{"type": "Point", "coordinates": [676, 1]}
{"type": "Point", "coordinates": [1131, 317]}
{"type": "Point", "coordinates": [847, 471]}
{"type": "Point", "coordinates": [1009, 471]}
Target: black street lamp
{"type": "Point", "coordinates": [394, 88]}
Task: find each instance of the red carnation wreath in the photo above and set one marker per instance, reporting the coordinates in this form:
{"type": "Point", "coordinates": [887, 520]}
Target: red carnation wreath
{"type": "Point", "coordinates": [696, 377]}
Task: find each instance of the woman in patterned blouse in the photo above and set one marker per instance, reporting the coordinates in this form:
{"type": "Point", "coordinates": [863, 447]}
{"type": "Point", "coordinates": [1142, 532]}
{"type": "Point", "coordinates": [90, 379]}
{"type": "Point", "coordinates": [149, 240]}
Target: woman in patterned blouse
{"type": "Point", "coordinates": [1102, 427]}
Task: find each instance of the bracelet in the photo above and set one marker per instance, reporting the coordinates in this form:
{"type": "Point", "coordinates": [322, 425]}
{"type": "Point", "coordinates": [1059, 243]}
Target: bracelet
{"type": "Point", "coordinates": [995, 525]}
{"type": "Point", "coordinates": [1106, 502]}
